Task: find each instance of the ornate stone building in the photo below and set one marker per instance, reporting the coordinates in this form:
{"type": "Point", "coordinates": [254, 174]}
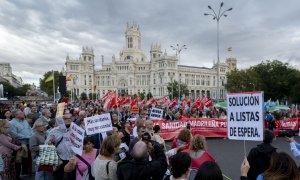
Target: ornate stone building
{"type": "Point", "coordinates": [133, 73]}
{"type": "Point", "coordinates": [7, 75]}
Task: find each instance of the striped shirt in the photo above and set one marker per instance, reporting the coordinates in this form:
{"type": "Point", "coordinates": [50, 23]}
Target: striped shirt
{"type": "Point", "coordinates": [64, 150]}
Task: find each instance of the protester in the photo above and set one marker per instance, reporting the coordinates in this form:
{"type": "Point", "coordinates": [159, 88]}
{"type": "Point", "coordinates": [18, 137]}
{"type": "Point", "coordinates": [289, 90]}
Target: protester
{"type": "Point", "coordinates": [20, 130]}
{"type": "Point", "coordinates": [138, 122]}
{"type": "Point", "coordinates": [141, 130]}
{"type": "Point", "coordinates": [115, 120]}
{"type": "Point", "coordinates": [209, 170]}
{"type": "Point", "coordinates": [7, 115]}
{"type": "Point", "coordinates": [140, 167]}
{"type": "Point", "coordinates": [126, 132]}
{"type": "Point", "coordinates": [82, 162]}
{"type": "Point", "coordinates": [61, 139]}
{"type": "Point", "coordinates": [180, 166]}
{"type": "Point", "coordinates": [270, 121]}
{"type": "Point", "coordinates": [157, 138]}
{"type": "Point", "coordinates": [198, 152]}
{"type": "Point", "coordinates": [34, 115]}
{"type": "Point", "coordinates": [38, 138]}
{"type": "Point", "coordinates": [45, 118]}
{"type": "Point", "coordinates": [6, 149]}
{"type": "Point", "coordinates": [259, 157]}
{"type": "Point", "coordinates": [53, 111]}
{"type": "Point", "coordinates": [104, 166]}
{"type": "Point", "coordinates": [282, 167]}
{"type": "Point", "coordinates": [295, 147]}
{"type": "Point", "coordinates": [184, 137]}
{"type": "Point", "coordinates": [149, 128]}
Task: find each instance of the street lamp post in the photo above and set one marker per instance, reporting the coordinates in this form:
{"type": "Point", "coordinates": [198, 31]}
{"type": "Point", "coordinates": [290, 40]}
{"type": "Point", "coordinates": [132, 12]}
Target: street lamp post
{"type": "Point", "coordinates": [178, 50]}
{"type": "Point", "coordinates": [217, 16]}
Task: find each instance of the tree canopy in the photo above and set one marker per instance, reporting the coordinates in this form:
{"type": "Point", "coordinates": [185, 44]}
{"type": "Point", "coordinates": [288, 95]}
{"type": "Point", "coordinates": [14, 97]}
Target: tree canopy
{"type": "Point", "coordinates": [48, 86]}
{"type": "Point", "coordinates": [10, 91]}
{"type": "Point", "coordinates": [173, 89]}
{"type": "Point", "coordinates": [278, 80]}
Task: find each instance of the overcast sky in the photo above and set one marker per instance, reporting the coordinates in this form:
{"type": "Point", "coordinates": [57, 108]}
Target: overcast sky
{"type": "Point", "coordinates": [36, 36]}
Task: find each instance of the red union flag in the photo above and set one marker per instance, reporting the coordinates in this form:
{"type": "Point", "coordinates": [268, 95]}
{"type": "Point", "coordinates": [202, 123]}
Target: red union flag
{"type": "Point", "coordinates": [143, 103]}
{"type": "Point", "coordinates": [103, 99]}
{"type": "Point", "coordinates": [173, 103]}
{"type": "Point", "coordinates": [135, 101]}
{"type": "Point", "coordinates": [162, 100]}
{"type": "Point", "coordinates": [125, 100]}
{"type": "Point", "coordinates": [151, 101]}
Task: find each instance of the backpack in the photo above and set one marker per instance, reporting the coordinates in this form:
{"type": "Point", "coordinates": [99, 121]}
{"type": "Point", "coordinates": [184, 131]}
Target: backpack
{"type": "Point", "coordinates": [87, 175]}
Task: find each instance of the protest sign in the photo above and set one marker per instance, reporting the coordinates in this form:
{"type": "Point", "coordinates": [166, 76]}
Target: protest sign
{"type": "Point", "coordinates": [156, 113]}
{"type": "Point", "coordinates": [135, 110]}
{"type": "Point", "coordinates": [61, 123]}
{"type": "Point", "coordinates": [76, 138]}
{"type": "Point", "coordinates": [245, 116]}
{"type": "Point", "coordinates": [98, 124]}
{"type": "Point", "coordinates": [60, 110]}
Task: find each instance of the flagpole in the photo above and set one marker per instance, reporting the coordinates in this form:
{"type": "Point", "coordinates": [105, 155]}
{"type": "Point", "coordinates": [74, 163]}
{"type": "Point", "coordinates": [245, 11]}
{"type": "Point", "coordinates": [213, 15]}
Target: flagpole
{"type": "Point", "coordinates": [53, 87]}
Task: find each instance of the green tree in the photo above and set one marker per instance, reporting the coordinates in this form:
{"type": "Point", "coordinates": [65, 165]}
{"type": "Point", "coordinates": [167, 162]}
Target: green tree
{"type": "Point", "coordinates": [48, 86]}
{"type": "Point", "coordinates": [173, 89]}
{"type": "Point", "coordinates": [149, 95]}
{"type": "Point", "coordinates": [94, 96]}
{"type": "Point", "coordinates": [142, 95]}
{"type": "Point", "coordinates": [83, 96]}
{"type": "Point", "coordinates": [278, 80]}
{"type": "Point", "coordinates": [21, 91]}
{"type": "Point", "coordinates": [8, 90]}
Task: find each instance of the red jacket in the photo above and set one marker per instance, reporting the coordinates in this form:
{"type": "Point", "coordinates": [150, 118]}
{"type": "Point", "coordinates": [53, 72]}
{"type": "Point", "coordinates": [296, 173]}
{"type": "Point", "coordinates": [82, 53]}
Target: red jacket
{"type": "Point", "coordinates": [197, 162]}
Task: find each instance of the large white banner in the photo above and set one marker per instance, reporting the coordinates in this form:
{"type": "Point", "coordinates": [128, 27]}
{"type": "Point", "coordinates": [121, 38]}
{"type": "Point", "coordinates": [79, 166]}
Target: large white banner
{"type": "Point", "coordinates": [98, 124]}
{"type": "Point", "coordinates": [156, 113]}
{"type": "Point", "coordinates": [245, 116]}
{"type": "Point", "coordinates": [76, 138]}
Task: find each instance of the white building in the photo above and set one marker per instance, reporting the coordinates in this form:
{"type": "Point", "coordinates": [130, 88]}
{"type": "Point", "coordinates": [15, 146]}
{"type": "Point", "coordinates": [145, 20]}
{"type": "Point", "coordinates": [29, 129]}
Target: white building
{"type": "Point", "coordinates": [7, 75]}
{"type": "Point", "coordinates": [133, 73]}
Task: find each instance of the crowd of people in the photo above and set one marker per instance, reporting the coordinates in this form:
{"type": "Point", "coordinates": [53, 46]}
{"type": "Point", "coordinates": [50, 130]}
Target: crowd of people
{"type": "Point", "coordinates": [127, 152]}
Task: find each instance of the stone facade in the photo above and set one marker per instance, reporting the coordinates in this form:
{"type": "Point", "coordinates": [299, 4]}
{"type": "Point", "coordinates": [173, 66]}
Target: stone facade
{"type": "Point", "coordinates": [133, 73]}
{"type": "Point", "coordinates": [7, 75]}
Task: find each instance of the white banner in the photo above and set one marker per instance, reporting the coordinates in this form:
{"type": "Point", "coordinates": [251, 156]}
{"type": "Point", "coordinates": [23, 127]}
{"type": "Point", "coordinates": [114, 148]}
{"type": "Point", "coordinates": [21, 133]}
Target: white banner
{"type": "Point", "coordinates": [245, 116]}
{"type": "Point", "coordinates": [76, 138]}
{"type": "Point", "coordinates": [98, 124]}
{"type": "Point", "coordinates": [156, 113]}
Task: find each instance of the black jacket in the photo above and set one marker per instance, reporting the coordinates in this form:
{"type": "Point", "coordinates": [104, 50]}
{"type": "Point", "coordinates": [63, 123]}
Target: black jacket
{"type": "Point", "coordinates": [259, 159]}
{"type": "Point", "coordinates": [144, 170]}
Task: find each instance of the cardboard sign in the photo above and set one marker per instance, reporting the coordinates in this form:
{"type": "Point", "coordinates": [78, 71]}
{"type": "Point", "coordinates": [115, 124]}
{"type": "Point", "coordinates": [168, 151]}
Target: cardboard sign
{"type": "Point", "coordinates": [60, 110]}
{"type": "Point", "coordinates": [245, 116]}
{"type": "Point", "coordinates": [76, 138]}
{"type": "Point", "coordinates": [135, 110]}
{"type": "Point", "coordinates": [156, 113]}
{"type": "Point", "coordinates": [98, 124]}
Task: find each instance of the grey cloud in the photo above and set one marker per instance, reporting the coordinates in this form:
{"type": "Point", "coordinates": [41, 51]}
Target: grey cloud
{"type": "Point", "coordinates": [39, 34]}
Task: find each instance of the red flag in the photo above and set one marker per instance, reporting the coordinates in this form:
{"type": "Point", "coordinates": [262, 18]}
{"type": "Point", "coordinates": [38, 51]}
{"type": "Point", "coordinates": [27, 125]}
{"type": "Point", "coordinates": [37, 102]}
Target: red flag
{"type": "Point", "coordinates": [151, 101]}
{"type": "Point", "coordinates": [103, 99]}
{"type": "Point", "coordinates": [162, 100]}
{"type": "Point", "coordinates": [125, 100]}
{"type": "Point", "coordinates": [135, 101]}
{"type": "Point", "coordinates": [173, 103]}
{"type": "Point", "coordinates": [197, 103]}
{"type": "Point", "coordinates": [208, 103]}
{"type": "Point", "coordinates": [143, 103]}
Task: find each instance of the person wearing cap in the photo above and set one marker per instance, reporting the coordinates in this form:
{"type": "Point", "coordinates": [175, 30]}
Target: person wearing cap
{"type": "Point", "coordinates": [140, 167]}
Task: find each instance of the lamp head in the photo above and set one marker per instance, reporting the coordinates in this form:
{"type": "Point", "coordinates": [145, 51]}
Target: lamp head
{"type": "Point", "coordinates": [209, 7]}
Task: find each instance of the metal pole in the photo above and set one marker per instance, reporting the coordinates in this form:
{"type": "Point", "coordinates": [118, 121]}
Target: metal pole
{"type": "Point", "coordinates": [218, 64]}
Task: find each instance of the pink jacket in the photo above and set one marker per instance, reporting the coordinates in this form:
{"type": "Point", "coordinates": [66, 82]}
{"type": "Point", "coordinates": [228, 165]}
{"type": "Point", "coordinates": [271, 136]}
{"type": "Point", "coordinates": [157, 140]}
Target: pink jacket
{"type": "Point", "coordinates": [6, 145]}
